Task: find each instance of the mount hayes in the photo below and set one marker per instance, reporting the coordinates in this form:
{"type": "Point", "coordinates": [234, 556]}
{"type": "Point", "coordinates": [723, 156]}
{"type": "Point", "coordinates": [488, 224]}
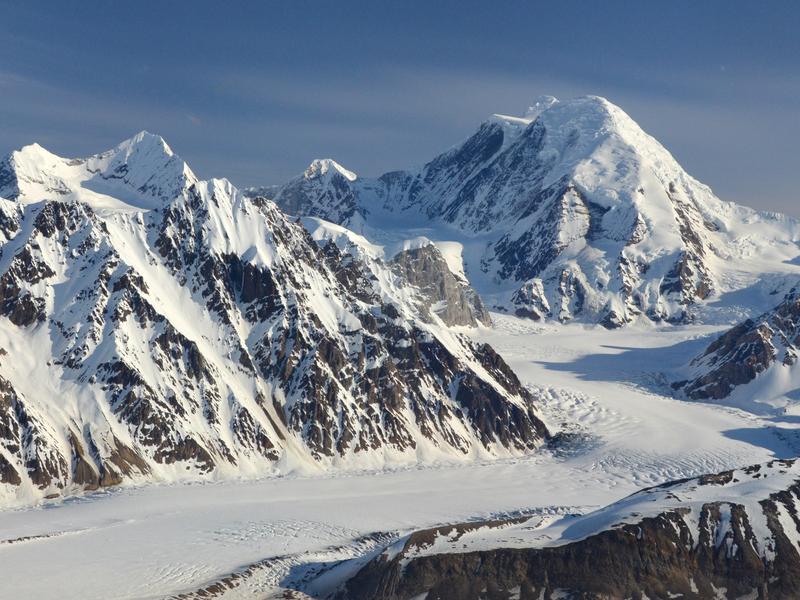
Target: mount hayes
{"type": "Point", "coordinates": [571, 212]}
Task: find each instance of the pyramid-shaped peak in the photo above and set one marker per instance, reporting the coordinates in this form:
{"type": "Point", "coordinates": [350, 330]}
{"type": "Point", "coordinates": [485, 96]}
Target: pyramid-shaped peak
{"type": "Point", "coordinates": [144, 158]}
{"type": "Point", "coordinates": [144, 142]}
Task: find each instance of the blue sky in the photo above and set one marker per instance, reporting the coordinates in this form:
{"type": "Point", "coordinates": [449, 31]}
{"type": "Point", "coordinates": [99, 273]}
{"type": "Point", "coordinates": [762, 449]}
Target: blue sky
{"type": "Point", "coordinates": [255, 90]}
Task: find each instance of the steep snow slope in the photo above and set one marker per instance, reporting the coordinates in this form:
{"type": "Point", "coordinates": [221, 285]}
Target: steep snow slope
{"type": "Point", "coordinates": [735, 534]}
{"type": "Point", "coordinates": [570, 212]}
{"type": "Point", "coordinates": [179, 329]}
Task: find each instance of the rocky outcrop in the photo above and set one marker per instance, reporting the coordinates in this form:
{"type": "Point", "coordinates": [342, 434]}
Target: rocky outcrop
{"type": "Point", "coordinates": [441, 292]}
{"type": "Point", "coordinates": [730, 535]}
{"type": "Point", "coordinates": [421, 274]}
{"type": "Point", "coordinates": [760, 347]}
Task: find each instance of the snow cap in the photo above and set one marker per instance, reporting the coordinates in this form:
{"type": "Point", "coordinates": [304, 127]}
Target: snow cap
{"type": "Point", "coordinates": [323, 166]}
{"type": "Point", "coordinates": [541, 104]}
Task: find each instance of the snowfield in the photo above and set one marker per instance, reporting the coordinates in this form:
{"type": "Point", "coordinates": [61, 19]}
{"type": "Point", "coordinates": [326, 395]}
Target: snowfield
{"type": "Point", "coordinates": [621, 431]}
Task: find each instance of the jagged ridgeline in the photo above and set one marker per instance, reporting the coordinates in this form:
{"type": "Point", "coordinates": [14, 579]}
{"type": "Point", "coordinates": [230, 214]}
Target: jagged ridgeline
{"type": "Point", "coordinates": [158, 326]}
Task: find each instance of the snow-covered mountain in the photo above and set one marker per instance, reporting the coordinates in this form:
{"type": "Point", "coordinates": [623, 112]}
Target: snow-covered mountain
{"type": "Point", "coordinates": [757, 360]}
{"type": "Point", "coordinates": [323, 190]}
{"type": "Point", "coordinates": [570, 212]}
{"type": "Point", "coordinates": [154, 325]}
{"type": "Point", "coordinates": [734, 534]}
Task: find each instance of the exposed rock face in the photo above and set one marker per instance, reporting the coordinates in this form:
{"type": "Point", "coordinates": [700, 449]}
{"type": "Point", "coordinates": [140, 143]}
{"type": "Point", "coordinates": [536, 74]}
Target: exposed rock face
{"type": "Point", "coordinates": [442, 292]}
{"type": "Point", "coordinates": [419, 273]}
{"type": "Point", "coordinates": [28, 438]}
{"type": "Point", "coordinates": [768, 344]}
{"type": "Point", "coordinates": [573, 202]}
{"type": "Point", "coordinates": [212, 334]}
{"type": "Point", "coordinates": [731, 535]}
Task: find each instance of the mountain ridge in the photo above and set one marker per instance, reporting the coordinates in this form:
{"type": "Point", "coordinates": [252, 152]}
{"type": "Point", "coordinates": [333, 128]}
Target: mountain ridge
{"type": "Point", "coordinates": [753, 364]}
{"type": "Point", "coordinates": [726, 535]}
{"type": "Point", "coordinates": [143, 169]}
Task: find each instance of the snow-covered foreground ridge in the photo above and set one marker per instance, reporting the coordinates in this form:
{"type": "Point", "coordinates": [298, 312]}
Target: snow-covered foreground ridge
{"type": "Point", "coordinates": [571, 212]}
{"type": "Point", "coordinates": [156, 326]}
{"type": "Point", "coordinates": [734, 534]}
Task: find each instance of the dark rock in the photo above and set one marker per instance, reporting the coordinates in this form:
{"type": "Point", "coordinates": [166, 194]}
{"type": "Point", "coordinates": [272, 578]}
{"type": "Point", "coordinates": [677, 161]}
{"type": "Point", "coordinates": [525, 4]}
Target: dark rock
{"type": "Point", "coordinates": [746, 351]}
{"type": "Point", "coordinates": [651, 557]}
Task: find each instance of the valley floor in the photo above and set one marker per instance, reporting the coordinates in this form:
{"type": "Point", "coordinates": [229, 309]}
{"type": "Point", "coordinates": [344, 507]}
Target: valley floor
{"type": "Point", "coordinates": [600, 387]}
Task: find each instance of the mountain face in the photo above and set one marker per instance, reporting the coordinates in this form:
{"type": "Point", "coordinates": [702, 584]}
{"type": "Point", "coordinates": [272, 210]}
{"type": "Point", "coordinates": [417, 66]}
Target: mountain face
{"type": "Point", "coordinates": [731, 535]}
{"type": "Point", "coordinates": [422, 274]}
{"type": "Point", "coordinates": [760, 352]}
{"type": "Point", "coordinates": [153, 325]}
{"type": "Point", "coordinates": [443, 292]}
{"type": "Point", "coordinates": [571, 212]}
{"type": "Point", "coordinates": [324, 189]}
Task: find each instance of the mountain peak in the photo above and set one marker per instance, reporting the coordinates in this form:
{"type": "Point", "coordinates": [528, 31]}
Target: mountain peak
{"type": "Point", "coordinates": [145, 141]}
{"type": "Point", "coordinates": [322, 166]}
{"type": "Point", "coordinates": [591, 110]}
{"type": "Point", "coordinates": [143, 171]}
{"type": "Point", "coordinates": [572, 211]}
{"type": "Point", "coordinates": [146, 163]}
{"type": "Point", "coordinates": [29, 162]}
{"type": "Point", "coordinates": [144, 150]}
{"type": "Point", "coordinates": [592, 129]}
{"type": "Point", "coordinates": [593, 114]}
{"type": "Point", "coordinates": [217, 335]}
{"type": "Point", "coordinates": [588, 111]}
{"type": "Point", "coordinates": [33, 156]}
